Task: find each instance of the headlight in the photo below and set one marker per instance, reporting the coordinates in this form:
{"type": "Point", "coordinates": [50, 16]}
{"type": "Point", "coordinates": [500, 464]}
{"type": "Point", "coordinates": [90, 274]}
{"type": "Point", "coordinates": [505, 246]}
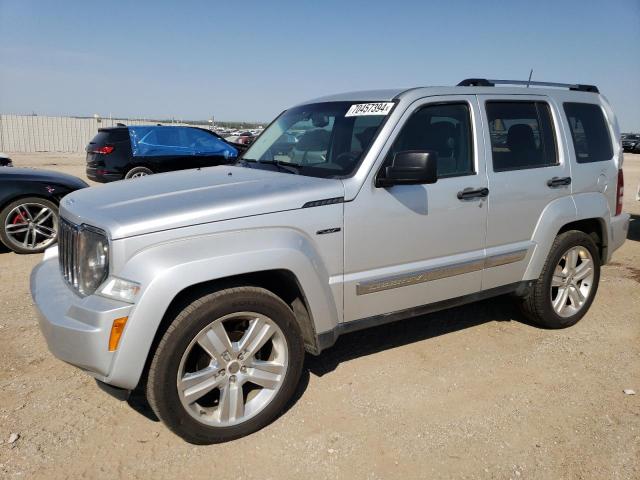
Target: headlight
{"type": "Point", "coordinates": [120, 289]}
{"type": "Point", "coordinates": [93, 255]}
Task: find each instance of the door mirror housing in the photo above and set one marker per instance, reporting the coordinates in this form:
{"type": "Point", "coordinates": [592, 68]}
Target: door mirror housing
{"type": "Point", "coordinates": [411, 167]}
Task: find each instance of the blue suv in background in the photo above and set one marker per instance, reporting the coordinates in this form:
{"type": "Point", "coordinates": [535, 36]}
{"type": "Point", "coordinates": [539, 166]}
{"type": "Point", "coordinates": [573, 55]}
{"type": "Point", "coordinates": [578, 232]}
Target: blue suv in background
{"type": "Point", "coordinates": [136, 151]}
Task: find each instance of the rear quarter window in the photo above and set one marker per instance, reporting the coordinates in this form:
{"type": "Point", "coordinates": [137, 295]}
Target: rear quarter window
{"type": "Point", "coordinates": [111, 136]}
{"type": "Point", "coordinates": [589, 131]}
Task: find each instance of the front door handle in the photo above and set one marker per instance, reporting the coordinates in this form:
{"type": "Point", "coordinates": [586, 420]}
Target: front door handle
{"type": "Point", "coordinates": [470, 192]}
{"type": "Point", "coordinates": [556, 182]}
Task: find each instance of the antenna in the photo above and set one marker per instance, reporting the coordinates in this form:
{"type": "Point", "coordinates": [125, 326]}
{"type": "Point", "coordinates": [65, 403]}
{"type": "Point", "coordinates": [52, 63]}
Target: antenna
{"type": "Point", "coordinates": [530, 75]}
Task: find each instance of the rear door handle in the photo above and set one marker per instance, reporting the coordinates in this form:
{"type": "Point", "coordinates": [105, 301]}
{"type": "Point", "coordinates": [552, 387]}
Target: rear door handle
{"type": "Point", "coordinates": [556, 182]}
{"type": "Point", "coordinates": [468, 193]}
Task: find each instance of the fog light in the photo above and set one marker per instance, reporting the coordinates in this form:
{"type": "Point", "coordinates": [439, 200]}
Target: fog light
{"type": "Point", "coordinates": [116, 332]}
{"type": "Point", "coordinates": [120, 289]}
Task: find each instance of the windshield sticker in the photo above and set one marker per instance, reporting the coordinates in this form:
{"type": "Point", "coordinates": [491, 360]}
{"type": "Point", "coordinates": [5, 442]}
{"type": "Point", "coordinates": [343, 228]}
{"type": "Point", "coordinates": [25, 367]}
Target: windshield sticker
{"type": "Point", "coordinates": [361, 109]}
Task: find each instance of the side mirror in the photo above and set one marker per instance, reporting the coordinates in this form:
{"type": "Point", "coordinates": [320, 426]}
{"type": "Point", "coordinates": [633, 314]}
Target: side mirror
{"type": "Point", "coordinates": [411, 167]}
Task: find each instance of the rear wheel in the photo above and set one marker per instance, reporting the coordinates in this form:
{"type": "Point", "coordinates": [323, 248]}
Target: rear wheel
{"type": "Point", "coordinates": [226, 366]}
{"type": "Point", "coordinates": [568, 283]}
{"type": "Point", "coordinates": [29, 225]}
{"type": "Point", "coordinates": [137, 172]}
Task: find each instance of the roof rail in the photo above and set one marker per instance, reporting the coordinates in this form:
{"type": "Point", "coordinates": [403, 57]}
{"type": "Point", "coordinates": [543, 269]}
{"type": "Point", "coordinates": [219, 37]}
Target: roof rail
{"type": "Point", "coordinates": [483, 82]}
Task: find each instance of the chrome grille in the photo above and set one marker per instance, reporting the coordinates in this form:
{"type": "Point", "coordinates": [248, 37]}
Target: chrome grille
{"type": "Point", "coordinates": [68, 251]}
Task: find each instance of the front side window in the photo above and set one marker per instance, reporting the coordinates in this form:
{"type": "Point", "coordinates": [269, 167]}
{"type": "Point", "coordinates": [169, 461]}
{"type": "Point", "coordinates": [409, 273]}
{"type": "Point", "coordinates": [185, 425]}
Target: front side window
{"type": "Point", "coordinates": [589, 132]}
{"type": "Point", "coordinates": [443, 128]}
{"type": "Point", "coordinates": [323, 140]}
{"type": "Point", "coordinates": [521, 135]}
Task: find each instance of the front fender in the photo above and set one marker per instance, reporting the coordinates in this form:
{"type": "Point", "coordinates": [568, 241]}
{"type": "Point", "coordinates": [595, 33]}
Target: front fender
{"type": "Point", "coordinates": [167, 269]}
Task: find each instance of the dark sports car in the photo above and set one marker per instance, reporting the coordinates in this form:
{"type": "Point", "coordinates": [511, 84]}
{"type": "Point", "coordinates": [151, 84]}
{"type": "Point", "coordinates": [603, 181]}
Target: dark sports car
{"type": "Point", "coordinates": [29, 200]}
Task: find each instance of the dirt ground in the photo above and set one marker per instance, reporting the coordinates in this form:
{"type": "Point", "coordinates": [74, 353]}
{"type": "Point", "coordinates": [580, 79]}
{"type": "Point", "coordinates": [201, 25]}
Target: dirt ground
{"type": "Point", "coordinates": [471, 392]}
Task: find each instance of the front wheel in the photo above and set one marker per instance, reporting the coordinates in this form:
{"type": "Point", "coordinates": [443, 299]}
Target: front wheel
{"type": "Point", "coordinates": [226, 366]}
{"type": "Point", "coordinates": [29, 225]}
{"type": "Point", "coordinates": [568, 283]}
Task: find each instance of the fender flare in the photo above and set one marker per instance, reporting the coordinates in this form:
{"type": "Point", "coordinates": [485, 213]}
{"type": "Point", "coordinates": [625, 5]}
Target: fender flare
{"type": "Point", "coordinates": [167, 269]}
{"type": "Point", "coordinates": [559, 213]}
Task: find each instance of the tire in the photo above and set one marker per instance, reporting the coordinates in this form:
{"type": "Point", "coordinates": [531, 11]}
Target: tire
{"type": "Point", "coordinates": [556, 277]}
{"type": "Point", "coordinates": [137, 172]}
{"type": "Point", "coordinates": [29, 225]}
{"type": "Point", "coordinates": [210, 418]}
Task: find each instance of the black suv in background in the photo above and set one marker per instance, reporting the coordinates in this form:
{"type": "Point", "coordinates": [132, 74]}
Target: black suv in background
{"type": "Point", "coordinates": [631, 142]}
{"type": "Point", "coordinates": [140, 150]}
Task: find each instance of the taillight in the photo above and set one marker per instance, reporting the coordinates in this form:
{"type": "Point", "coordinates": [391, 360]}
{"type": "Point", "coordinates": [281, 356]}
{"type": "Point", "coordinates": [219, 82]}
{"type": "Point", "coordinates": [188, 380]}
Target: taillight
{"type": "Point", "coordinates": [106, 150]}
{"type": "Point", "coordinates": [620, 192]}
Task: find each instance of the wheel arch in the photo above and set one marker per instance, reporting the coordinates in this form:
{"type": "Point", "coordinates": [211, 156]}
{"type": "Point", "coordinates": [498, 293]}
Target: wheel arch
{"type": "Point", "coordinates": [595, 228]}
{"type": "Point", "coordinates": [131, 166]}
{"type": "Point", "coordinates": [587, 212]}
{"type": "Point", "coordinates": [7, 201]}
{"type": "Point", "coordinates": [281, 282]}
{"type": "Point", "coordinates": [174, 274]}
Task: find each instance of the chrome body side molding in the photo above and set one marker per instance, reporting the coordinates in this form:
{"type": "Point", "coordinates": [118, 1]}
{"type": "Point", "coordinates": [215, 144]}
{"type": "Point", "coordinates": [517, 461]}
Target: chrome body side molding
{"type": "Point", "coordinates": [428, 275]}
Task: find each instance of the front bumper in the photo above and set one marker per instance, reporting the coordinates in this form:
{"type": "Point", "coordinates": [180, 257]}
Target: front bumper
{"type": "Point", "coordinates": [76, 329]}
{"type": "Point", "coordinates": [619, 230]}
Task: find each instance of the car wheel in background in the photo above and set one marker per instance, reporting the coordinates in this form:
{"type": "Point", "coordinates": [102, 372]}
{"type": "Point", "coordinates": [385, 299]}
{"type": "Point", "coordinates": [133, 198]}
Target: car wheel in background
{"type": "Point", "coordinates": [137, 172]}
{"type": "Point", "coordinates": [568, 283]}
{"type": "Point", "coordinates": [29, 225]}
{"type": "Point", "coordinates": [227, 365]}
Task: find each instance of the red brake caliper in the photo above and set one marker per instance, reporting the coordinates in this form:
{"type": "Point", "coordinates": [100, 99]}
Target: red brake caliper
{"type": "Point", "coordinates": [19, 218]}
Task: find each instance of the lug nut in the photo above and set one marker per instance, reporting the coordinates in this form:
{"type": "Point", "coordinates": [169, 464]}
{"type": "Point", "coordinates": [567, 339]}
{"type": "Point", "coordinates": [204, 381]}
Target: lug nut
{"type": "Point", "coordinates": [226, 356]}
{"type": "Point", "coordinates": [221, 372]}
{"type": "Point", "coordinates": [241, 357]}
{"type": "Point", "coordinates": [232, 378]}
{"type": "Point", "coordinates": [243, 369]}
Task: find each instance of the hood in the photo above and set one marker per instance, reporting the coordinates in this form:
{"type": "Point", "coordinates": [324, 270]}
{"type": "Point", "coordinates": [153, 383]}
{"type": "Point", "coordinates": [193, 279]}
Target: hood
{"type": "Point", "coordinates": [47, 176]}
{"type": "Point", "coordinates": [190, 197]}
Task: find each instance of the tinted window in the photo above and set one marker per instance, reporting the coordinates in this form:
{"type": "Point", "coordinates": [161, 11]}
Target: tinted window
{"type": "Point", "coordinates": [589, 132]}
{"type": "Point", "coordinates": [111, 136]}
{"type": "Point", "coordinates": [521, 135]}
{"type": "Point", "coordinates": [445, 129]}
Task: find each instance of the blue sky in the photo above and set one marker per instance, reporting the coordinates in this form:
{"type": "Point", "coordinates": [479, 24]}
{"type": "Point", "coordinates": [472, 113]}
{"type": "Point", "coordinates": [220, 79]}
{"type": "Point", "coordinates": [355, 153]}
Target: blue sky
{"type": "Point", "coordinates": [249, 60]}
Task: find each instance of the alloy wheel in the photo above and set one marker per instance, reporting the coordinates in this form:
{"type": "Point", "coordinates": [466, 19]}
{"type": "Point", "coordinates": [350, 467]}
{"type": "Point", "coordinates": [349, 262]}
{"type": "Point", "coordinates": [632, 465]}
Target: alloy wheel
{"type": "Point", "coordinates": [572, 281]}
{"type": "Point", "coordinates": [232, 369]}
{"type": "Point", "coordinates": [31, 226]}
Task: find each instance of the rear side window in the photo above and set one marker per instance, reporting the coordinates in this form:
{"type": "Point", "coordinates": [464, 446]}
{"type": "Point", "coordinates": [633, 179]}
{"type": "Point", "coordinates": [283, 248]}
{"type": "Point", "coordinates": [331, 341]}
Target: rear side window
{"type": "Point", "coordinates": [589, 131]}
{"type": "Point", "coordinates": [444, 128]}
{"type": "Point", "coordinates": [159, 141]}
{"type": "Point", "coordinates": [522, 135]}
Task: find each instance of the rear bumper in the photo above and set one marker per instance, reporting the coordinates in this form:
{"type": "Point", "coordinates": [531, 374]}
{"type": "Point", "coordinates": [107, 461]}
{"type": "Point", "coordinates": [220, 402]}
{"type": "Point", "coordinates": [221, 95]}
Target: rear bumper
{"type": "Point", "coordinates": [619, 229]}
{"type": "Point", "coordinates": [76, 329]}
{"type": "Point", "coordinates": [92, 174]}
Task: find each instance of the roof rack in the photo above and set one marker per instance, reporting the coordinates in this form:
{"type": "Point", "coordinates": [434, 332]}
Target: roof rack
{"type": "Point", "coordinates": [483, 82]}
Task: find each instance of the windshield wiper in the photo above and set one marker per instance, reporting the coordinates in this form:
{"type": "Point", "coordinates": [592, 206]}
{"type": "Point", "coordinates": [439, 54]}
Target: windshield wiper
{"type": "Point", "coordinates": [287, 167]}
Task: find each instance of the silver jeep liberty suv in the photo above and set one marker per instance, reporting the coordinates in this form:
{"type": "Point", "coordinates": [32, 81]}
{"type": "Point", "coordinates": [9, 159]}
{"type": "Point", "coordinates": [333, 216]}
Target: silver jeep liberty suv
{"type": "Point", "coordinates": [204, 288]}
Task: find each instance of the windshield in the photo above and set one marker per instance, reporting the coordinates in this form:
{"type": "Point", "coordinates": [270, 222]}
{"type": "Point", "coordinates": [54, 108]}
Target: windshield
{"type": "Point", "coordinates": [320, 140]}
